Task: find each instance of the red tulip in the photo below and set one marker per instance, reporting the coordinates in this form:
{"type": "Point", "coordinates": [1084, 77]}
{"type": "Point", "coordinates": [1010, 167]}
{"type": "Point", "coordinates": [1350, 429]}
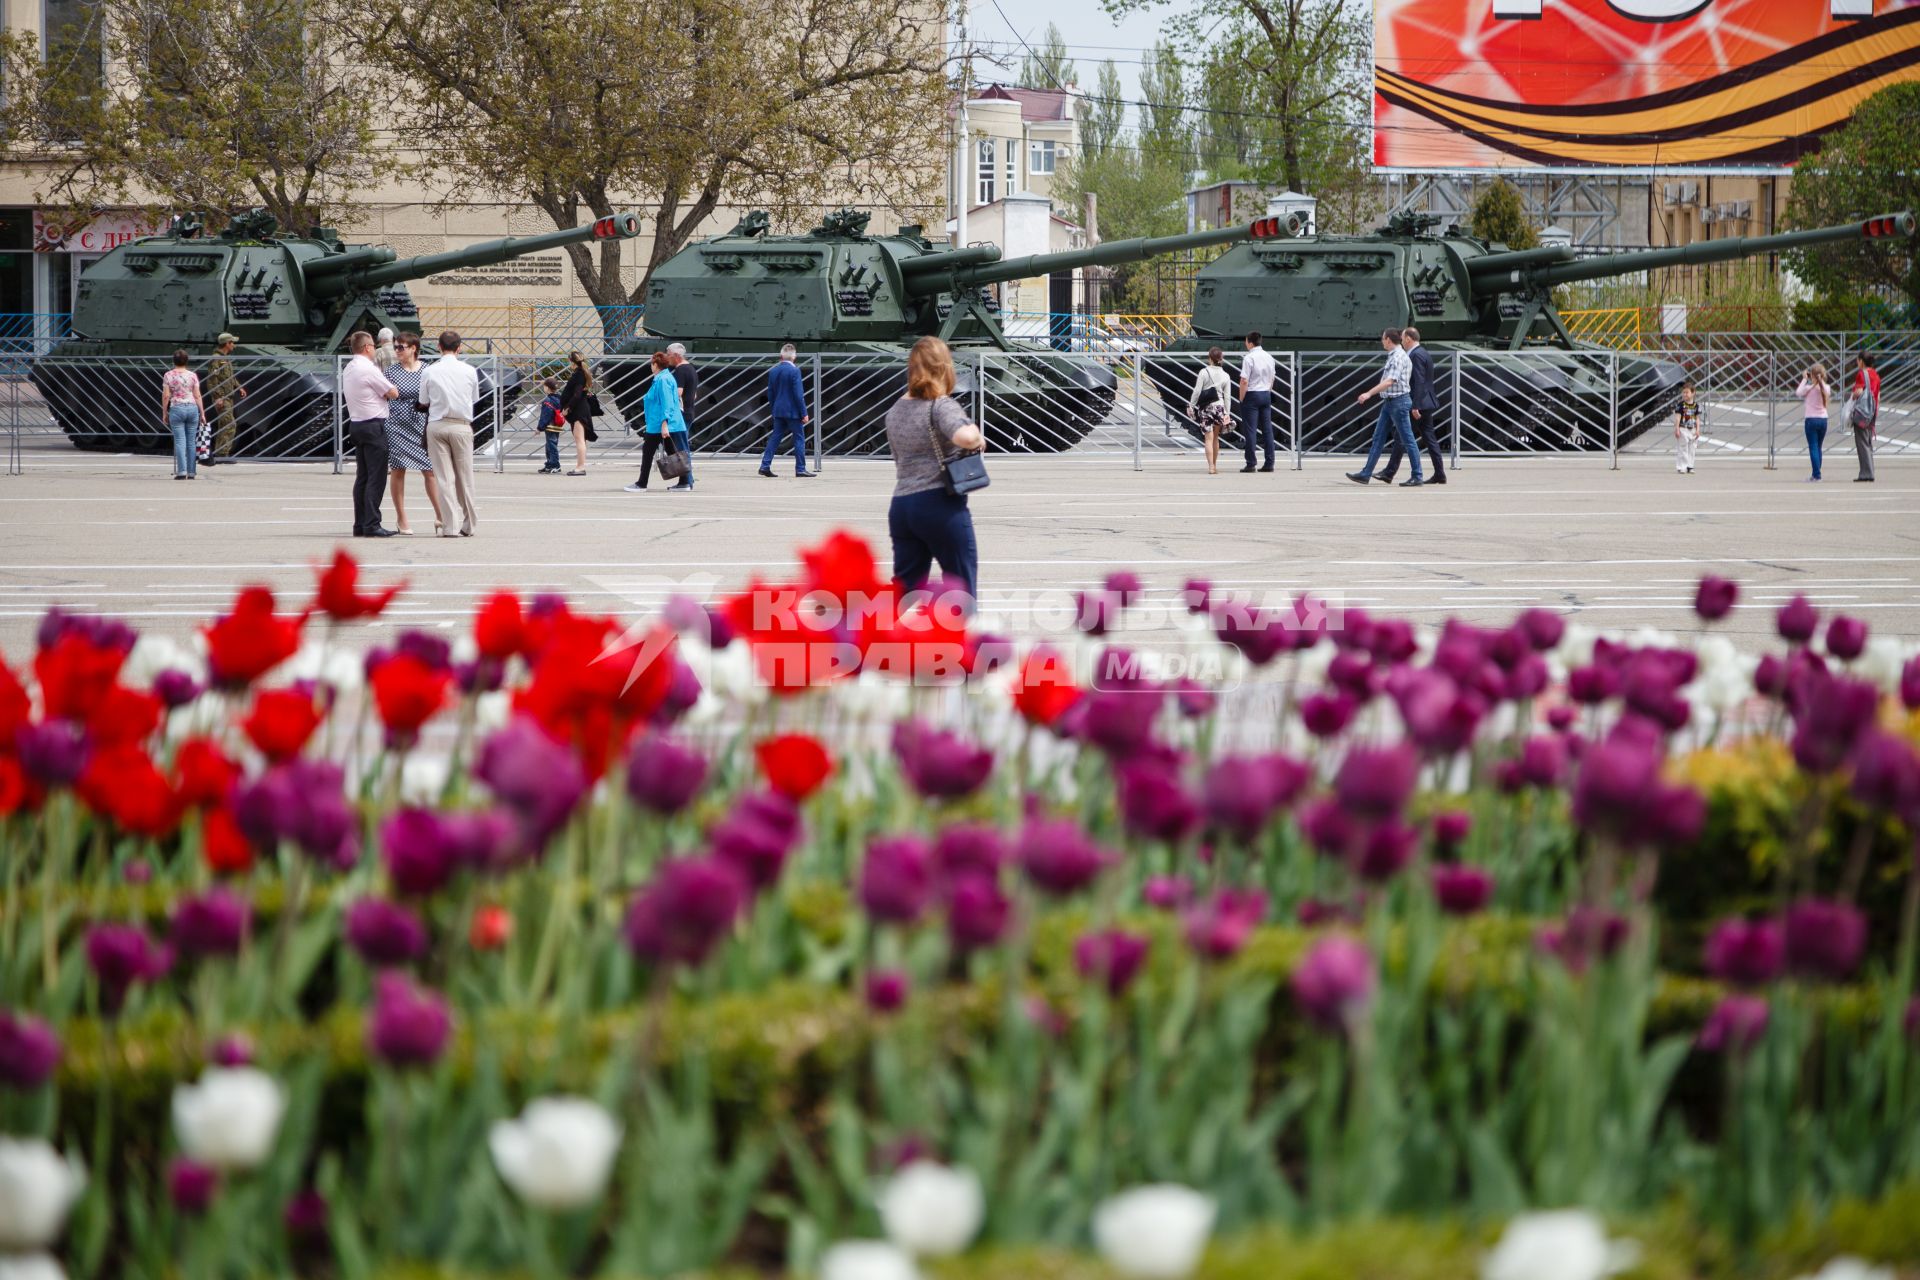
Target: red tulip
{"type": "Point", "coordinates": [281, 722]}
{"type": "Point", "coordinates": [407, 693]}
{"type": "Point", "coordinates": [121, 783]}
{"type": "Point", "coordinates": [491, 928]}
{"type": "Point", "coordinates": [1044, 690]}
{"type": "Point", "coordinates": [842, 565]}
{"type": "Point", "coordinates": [123, 715]}
{"type": "Point", "coordinates": [794, 764]}
{"type": "Point", "coordinates": [223, 846]}
{"type": "Point", "coordinates": [337, 592]}
{"type": "Point", "coordinates": [202, 773]}
{"type": "Point", "coordinates": [75, 674]}
{"type": "Point", "coordinates": [499, 628]}
{"type": "Point", "coordinates": [252, 640]}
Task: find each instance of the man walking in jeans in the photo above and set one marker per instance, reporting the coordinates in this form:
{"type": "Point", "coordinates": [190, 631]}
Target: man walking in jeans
{"type": "Point", "coordinates": [1256, 401]}
{"type": "Point", "coordinates": [1396, 411]}
{"type": "Point", "coordinates": [1426, 411]}
{"type": "Point", "coordinates": [366, 392]}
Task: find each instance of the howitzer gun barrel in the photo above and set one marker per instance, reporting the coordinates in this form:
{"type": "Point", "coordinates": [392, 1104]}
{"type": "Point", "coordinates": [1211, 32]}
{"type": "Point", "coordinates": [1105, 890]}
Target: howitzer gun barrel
{"type": "Point", "coordinates": [1498, 272]}
{"type": "Point", "coordinates": [619, 226]}
{"type": "Point", "coordinates": [367, 255]}
{"type": "Point", "coordinates": [936, 279]}
{"type": "Point", "coordinates": [932, 264]}
{"type": "Point", "coordinates": [1883, 227]}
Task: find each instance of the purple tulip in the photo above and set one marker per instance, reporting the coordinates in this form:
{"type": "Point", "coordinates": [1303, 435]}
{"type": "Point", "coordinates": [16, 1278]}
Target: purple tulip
{"type": "Point", "coordinates": [121, 955]}
{"type": "Point", "coordinates": [1260, 636]}
{"type": "Point", "coordinates": [1197, 594]}
{"type": "Point", "coordinates": [1746, 953]}
{"type": "Point", "coordinates": [1314, 912]}
{"type": "Point", "coordinates": [175, 689]}
{"type": "Point", "coordinates": [1217, 928]}
{"type": "Point", "coordinates": [420, 851]}
{"type": "Point", "coordinates": [232, 1051]}
{"type": "Point", "coordinates": [483, 840]}
{"type": "Point", "coordinates": [432, 650]}
{"type": "Point", "coordinates": [1910, 684]}
{"type": "Point", "coordinates": [52, 752]}
{"type": "Point", "coordinates": [305, 1217]}
{"type": "Point", "coordinates": [977, 913]}
{"type": "Point", "coordinates": [1542, 762]}
{"type": "Point", "coordinates": [757, 837]}
{"type": "Point", "coordinates": [1154, 804]}
{"type": "Point", "coordinates": [1097, 612]}
{"type": "Point", "coordinates": [29, 1051]}
{"type": "Point", "coordinates": [897, 879]}
{"type": "Point", "coordinates": [1118, 710]}
{"type": "Point", "coordinates": [1825, 940]}
{"type": "Point", "coordinates": [1796, 620]}
{"type": "Point", "coordinates": [1167, 893]}
{"type": "Point", "coordinates": [1334, 983]}
{"type": "Point", "coordinates": [1460, 889]}
{"type": "Point", "coordinates": [1542, 628]}
{"type": "Point", "coordinates": [1886, 774]}
{"type": "Point", "coordinates": [1829, 716]}
{"type": "Point", "coordinates": [385, 933]}
{"type": "Point", "coordinates": [686, 910]}
{"type": "Point", "coordinates": [536, 779]}
{"type": "Point", "coordinates": [886, 990]}
{"type": "Point", "coordinates": [1561, 718]}
{"type": "Point", "coordinates": [302, 801]}
{"type": "Point", "coordinates": [1592, 685]}
{"type": "Point", "coordinates": [1384, 851]}
{"type": "Point", "coordinates": [1193, 699]}
{"type": "Point", "coordinates": [1440, 716]}
{"type": "Point", "coordinates": [1846, 637]}
{"type": "Point", "coordinates": [191, 1186]}
{"type": "Point", "coordinates": [938, 764]}
{"type": "Point", "coordinates": [1451, 829]}
{"type": "Point", "coordinates": [1615, 779]}
{"type": "Point", "coordinates": [1329, 828]}
{"type": "Point", "coordinates": [1125, 586]}
{"type": "Point", "coordinates": [1587, 934]}
{"type": "Point", "coordinates": [1352, 671]}
{"type": "Point", "coordinates": [1714, 598]}
{"type": "Point", "coordinates": [1058, 857]}
{"type": "Point", "coordinates": [212, 924]}
{"type": "Point", "coordinates": [969, 849]}
{"type": "Point", "coordinates": [663, 775]}
{"type": "Point", "coordinates": [1528, 678]}
{"type": "Point", "coordinates": [409, 1025]}
{"type": "Point", "coordinates": [1112, 957]}
{"type": "Point", "coordinates": [1327, 715]}
{"type": "Point", "coordinates": [1735, 1026]}
{"type": "Point", "coordinates": [102, 633]}
{"type": "Point", "coordinates": [1242, 793]}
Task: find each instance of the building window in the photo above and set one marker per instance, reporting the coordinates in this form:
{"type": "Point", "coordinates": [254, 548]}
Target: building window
{"type": "Point", "coordinates": [73, 47]}
{"type": "Point", "coordinates": [986, 170]}
{"type": "Point", "coordinates": [1013, 160]}
{"type": "Point", "coordinates": [1040, 156]}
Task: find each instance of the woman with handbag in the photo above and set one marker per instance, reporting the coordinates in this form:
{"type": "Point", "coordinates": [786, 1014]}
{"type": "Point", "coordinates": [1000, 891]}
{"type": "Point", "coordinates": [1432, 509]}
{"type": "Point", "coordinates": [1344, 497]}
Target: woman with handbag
{"type": "Point", "coordinates": [666, 425]}
{"type": "Point", "coordinates": [936, 463]}
{"type": "Point", "coordinates": [578, 399]}
{"type": "Point", "coordinates": [1209, 405]}
{"type": "Point", "coordinates": [407, 431]}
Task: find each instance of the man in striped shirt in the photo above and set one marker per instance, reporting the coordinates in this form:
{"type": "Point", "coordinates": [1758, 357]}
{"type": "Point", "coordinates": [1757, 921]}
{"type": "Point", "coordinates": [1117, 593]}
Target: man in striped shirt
{"type": "Point", "coordinates": [1396, 411]}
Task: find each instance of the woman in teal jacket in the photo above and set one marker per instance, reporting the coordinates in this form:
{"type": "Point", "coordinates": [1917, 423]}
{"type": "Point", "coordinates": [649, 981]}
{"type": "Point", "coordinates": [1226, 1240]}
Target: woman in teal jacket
{"type": "Point", "coordinates": [664, 419]}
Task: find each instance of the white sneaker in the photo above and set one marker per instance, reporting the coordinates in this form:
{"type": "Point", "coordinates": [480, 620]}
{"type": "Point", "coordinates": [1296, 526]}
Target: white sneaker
{"type": "Point", "coordinates": [636, 487]}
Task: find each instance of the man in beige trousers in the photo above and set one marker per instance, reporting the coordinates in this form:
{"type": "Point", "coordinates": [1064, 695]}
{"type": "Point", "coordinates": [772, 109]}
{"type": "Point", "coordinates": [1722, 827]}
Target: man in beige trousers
{"type": "Point", "coordinates": [448, 392]}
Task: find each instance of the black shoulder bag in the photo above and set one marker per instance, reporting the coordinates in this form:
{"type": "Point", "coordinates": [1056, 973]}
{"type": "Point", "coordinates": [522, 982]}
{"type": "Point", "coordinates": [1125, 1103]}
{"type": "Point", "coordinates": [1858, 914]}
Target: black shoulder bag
{"type": "Point", "coordinates": [963, 473]}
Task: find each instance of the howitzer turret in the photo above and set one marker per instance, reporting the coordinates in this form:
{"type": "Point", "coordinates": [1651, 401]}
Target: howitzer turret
{"type": "Point", "coordinates": [843, 293]}
{"type": "Point", "coordinates": [289, 301]}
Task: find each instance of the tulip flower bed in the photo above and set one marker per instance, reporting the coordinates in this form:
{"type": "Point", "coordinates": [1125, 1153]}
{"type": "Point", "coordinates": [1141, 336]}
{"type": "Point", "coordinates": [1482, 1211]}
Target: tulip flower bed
{"type": "Point", "coordinates": [819, 929]}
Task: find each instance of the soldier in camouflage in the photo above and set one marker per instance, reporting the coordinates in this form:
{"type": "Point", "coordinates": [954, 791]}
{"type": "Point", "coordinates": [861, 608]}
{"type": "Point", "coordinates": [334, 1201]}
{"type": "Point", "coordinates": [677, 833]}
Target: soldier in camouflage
{"type": "Point", "coordinates": [223, 392]}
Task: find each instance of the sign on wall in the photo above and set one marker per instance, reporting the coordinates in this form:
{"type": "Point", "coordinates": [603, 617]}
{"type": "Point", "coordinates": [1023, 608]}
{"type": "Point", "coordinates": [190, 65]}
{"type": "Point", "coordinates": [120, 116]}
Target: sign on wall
{"type": "Point", "coordinates": [1603, 84]}
{"type": "Point", "coordinates": [107, 231]}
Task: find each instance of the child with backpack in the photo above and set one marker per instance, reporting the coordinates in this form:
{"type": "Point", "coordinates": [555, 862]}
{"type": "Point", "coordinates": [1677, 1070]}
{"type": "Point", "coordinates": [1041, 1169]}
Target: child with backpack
{"type": "Point", "coordinates": [553, 421]}
{"type": "Point", "coordinates": [1686, 430]}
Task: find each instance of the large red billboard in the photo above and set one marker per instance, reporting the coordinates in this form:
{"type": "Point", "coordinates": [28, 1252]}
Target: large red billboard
{"type": "Point", "coordinates": [1637, 84]}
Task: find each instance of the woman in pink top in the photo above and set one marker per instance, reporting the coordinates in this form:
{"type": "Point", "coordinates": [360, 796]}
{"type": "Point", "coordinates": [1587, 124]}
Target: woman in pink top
{"type": "Point", "coordinates": [185, 414]}
{"type": "Point", "coordinates": [1813, 393]}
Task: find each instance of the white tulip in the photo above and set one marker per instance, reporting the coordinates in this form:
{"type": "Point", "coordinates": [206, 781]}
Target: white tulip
{"type": "Point", "coordinates": [153, 653]}
{"type": "Point", "coordinates": [1154, 1232]}
{"type": "Point", "coordinates": [491, 711]}
{"type": "Point", "coordinates": [866, 1260]}
{"type": "Point", "coordinates": [1851, 1269]}
{"type": "Point", "coordinates": [30, 1266]}
{"type": "Point", "coordinates": [1564, 1244]}
{"type": "Point", "coordinates": [423, 778]}
{"type": "Point", "coordinates": [932, 1211]}
{"type": "Point", "coordinates": [1882, 661]}
{"type": "Point", "coordinates": [229, 1119]}
{"type": "Point", "coordinates": [559, 1154]}
{"type": "Point", "coordinates": [37, 1187]}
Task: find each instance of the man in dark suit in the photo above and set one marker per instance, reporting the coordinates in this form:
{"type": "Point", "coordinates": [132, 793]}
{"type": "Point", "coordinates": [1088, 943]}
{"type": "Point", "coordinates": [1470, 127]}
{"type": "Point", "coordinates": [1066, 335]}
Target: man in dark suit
{"type": "Point", "coordinates": [787, 398]}
{"type": "Point", "coordinates": [1427, 417]}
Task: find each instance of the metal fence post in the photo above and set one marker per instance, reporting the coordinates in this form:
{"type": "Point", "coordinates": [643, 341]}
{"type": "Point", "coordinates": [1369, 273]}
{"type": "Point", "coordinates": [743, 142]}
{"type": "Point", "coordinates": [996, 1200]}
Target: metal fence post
{"type": "Point", "coordinates": [1613, 409]}
{"type": "Point", "coordinates": [1139, 374]}
{"type": "Point", "coordinates": [819, 414]}
{"type": "Point", "coordinates": [16, 464]}
{"type": "Point", "coordinates": [1456, 409]}
{"type": "Point", "coordinates": [980, 395]}
{"type": "Point", "coordinates": [1773, 407]}
{"type": "Point", "coordinates": [1293, 409]}
{"type": "Point", "coordinates": [499, 419]}
{"type": "Point", "coordinates": [339, 419]}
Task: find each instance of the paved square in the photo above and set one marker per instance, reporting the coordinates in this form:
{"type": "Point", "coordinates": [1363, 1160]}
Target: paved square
{"type": "Point", "coordinates": [1620, 549]}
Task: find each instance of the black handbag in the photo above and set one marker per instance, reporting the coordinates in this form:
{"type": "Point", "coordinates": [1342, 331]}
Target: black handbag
{"type": "Point", "coordinates": [673, 464]}
{"type": "Point", "coordinates": [963, 473]}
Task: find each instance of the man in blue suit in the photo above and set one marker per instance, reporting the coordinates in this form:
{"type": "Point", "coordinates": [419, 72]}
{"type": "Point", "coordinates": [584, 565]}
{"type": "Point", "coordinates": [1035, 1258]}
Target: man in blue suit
{"type": "Point", "coordinates": [787, 397]}
{"type": "Point", "coordinates": [1427, 414]}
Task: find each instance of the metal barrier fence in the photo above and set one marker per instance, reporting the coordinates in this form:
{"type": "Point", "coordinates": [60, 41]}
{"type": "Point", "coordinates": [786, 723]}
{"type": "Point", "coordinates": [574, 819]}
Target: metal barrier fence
{"type": "Point", "coordinates": [1083, 405]}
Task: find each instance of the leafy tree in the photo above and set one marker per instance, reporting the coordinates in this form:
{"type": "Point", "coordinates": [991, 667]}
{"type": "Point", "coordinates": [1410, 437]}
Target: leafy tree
{"type": "Point", "coordinates": [1105, 113]}
{"type": "Point", "coordinates": [1165, 135]}
{"type": "Point", "coordinates": [1046, 65]}
{"type": "Point", "coordinates": [1869, 166]}
{"type": "Point", "coordinates": [1499, 216]}
{"type": "Point", "coordinates": [208, 106]}
{"type": "Point", "coordinates": [1140, 195]}
{"type": "Point", "coordinates": [586, 107]}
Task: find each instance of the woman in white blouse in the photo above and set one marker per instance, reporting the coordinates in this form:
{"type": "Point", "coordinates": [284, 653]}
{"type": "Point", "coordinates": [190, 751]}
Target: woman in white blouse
{"type": "Point", "coordinates": [1211, 405]}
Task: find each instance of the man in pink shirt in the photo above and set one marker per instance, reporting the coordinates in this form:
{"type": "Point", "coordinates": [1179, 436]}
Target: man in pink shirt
{"type": "Point", "coordinates": [366, 392]}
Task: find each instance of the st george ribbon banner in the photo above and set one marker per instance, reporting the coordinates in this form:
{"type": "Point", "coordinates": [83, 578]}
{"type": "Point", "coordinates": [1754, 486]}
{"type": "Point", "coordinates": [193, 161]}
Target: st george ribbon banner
{"type": "Point", "coordinates": [1628, 84]}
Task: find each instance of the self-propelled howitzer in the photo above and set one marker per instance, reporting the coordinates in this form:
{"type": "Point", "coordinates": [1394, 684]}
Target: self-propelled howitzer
{"type": "Point", "coordinates": [290, 301]}
{"type": "Point", "coordinates": [861, 301]}
{"type": "Point", "coordinates": [1326, 294]}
